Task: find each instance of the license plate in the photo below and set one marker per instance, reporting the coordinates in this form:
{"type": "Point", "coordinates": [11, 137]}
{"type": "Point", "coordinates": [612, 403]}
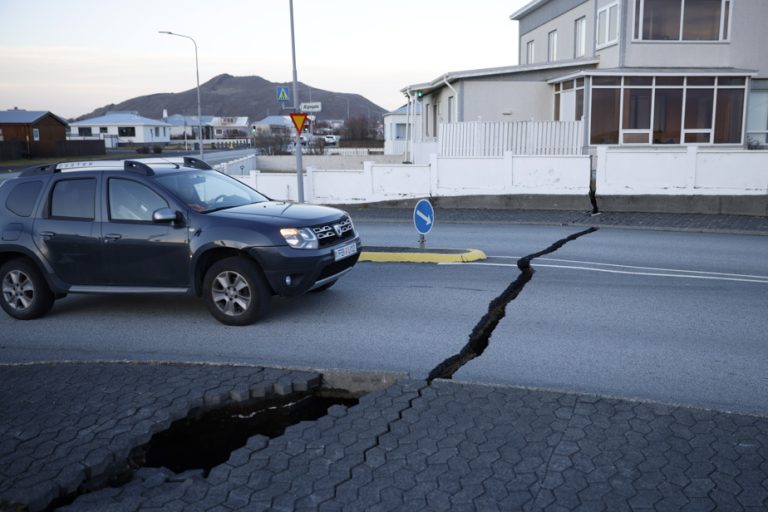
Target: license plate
{"type": "Point", "coordinates": [344, 252]}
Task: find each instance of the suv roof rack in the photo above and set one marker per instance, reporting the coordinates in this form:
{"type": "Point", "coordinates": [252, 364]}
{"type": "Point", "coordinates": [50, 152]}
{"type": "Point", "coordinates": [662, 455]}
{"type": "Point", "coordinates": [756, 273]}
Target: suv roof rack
{"type": "Point", "coordinates": [196, 163]}
{"type": "Point", "coordinates": [138, 167]}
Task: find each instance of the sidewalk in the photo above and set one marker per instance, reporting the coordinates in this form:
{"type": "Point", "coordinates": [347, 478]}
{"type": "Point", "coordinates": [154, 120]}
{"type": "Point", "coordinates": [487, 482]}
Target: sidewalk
{"type": "Point", "coordinates": [727, 224]}
{"type": "Point", "coordinates": [410, 446]}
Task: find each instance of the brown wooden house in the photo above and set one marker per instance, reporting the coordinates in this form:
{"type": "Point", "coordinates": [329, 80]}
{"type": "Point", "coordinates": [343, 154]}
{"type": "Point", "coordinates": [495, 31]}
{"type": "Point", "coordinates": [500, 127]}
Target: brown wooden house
{"type": "Point", "coordinates": [31, 134]}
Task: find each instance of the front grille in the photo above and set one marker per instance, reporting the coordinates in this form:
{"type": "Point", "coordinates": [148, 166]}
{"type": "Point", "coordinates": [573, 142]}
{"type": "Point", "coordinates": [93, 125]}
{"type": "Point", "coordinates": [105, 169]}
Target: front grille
{"type": "Point", "coordinates": [331, 234]}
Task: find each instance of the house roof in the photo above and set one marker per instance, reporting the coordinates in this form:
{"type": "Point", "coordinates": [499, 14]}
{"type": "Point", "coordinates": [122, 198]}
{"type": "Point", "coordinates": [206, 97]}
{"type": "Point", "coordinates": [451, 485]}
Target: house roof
{"type": "Point", "coordinates": [449, 77]}
{"type": "Point", "coordinates": [530, 7]}
{"type": "Point", "coordinates": [17, 116]}
{"type": "Point", "coordinates": [656, 72]}
{"type": "Point", "coordinates": [180, 120]}
{"type": "Point", "coordinates": [120, 119]}
{"type": "Point", "coordinates": [276, 121]}
{"type": "Point", "coordinates": [404, 110]}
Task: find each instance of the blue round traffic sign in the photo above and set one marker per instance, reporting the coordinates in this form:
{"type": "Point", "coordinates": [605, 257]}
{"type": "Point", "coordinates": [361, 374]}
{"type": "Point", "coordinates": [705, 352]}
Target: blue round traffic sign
{"type": "Point", "coordinates": [423, 216]}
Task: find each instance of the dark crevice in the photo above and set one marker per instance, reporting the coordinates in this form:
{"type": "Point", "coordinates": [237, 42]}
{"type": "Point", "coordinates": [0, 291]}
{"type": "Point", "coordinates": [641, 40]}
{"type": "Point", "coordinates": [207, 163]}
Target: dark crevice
{"type": "Point", "coordinates": [481, 334]}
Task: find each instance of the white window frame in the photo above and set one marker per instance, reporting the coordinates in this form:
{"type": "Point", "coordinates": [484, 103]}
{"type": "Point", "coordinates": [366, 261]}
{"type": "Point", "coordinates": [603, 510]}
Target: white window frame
{"type": "Point", "coordinates": [530, 52]}
{"type": "Point", "coordinates": [726, 21]}
{"type": "Point", "coordinates": [580, 37]}
{"type": "Point", "coordinates": [710, 131]}
{"type": "Point", "coordinates": [552, 46]}
{"type": "Point", "coordinates": [603, 40]}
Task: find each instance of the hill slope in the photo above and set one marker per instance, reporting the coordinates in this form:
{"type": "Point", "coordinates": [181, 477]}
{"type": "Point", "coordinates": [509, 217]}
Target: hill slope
{"type": "Point", "coordinates": [252, 96]}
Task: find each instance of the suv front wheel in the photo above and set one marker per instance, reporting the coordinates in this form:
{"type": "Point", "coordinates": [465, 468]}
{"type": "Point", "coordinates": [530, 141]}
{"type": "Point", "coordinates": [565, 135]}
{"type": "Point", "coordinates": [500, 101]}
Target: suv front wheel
{"type": "Point", "coordinates": [235, 291]}
{"type": "Point", "coordinates": [25, 294]}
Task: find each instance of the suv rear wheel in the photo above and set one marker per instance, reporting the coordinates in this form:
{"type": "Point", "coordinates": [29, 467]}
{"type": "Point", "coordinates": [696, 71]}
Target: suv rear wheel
{"type": "Point", "coordinates": [24, 293]}
{"type": "Point", "coordinates": [235, 291]}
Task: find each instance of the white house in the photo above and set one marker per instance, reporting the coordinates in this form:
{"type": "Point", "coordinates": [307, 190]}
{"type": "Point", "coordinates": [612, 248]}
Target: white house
{"type": "Point", "coordinates": [119, 128]}
{"type": "Point", "coordinates": [676, 86]}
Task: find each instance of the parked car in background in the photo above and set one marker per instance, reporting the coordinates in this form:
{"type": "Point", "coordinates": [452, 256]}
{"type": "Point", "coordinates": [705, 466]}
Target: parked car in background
{"type": "Point", "coordinates": [162, 226]}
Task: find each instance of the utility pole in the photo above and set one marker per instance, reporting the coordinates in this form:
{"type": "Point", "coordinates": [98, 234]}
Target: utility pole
{"type": "Point", "coordinates": [297, 146]}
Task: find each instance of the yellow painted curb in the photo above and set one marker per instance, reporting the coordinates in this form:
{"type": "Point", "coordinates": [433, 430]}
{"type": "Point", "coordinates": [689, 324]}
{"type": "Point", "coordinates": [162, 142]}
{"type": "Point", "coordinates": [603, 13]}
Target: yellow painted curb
{"type": "Point", "coordinates": [423, 257]}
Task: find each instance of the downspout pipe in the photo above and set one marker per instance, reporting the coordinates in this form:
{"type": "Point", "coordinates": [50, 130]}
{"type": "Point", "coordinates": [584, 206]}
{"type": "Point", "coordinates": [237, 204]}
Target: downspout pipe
{"type": "Point", "coordinates": [456, 102]}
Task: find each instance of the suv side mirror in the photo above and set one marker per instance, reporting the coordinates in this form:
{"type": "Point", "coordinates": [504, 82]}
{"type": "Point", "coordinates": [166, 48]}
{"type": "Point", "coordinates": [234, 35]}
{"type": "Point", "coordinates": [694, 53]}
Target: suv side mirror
{"type": "Point", "coordinates": [165, 215]}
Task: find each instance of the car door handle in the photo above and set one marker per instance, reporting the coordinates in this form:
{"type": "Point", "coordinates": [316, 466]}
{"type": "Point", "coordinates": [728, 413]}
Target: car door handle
{"type": "Point", "coordinates": [111, 237]}
{"type": "Point", "coordinates": [47, 235]}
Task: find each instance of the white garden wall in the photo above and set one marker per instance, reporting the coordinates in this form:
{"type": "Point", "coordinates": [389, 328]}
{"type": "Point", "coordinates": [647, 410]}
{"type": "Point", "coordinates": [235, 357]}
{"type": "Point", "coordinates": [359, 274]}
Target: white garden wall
{"type": "Point", "coordinates": [690, 170]}
{"type": "Point", "coordinates": [443, 177]}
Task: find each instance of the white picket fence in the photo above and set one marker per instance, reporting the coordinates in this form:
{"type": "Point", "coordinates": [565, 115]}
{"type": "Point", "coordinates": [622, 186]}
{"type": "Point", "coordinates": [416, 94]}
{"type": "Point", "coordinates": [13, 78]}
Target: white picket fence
{"type": "Point", "coordinates": [520, 138]}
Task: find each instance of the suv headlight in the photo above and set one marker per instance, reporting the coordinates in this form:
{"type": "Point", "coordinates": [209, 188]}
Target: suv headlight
{"type": "Point", "coordinates": [300, 238]}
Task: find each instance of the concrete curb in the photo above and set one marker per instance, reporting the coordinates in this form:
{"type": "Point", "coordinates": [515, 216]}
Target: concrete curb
{"type": "Point", "coordinates": [408, 255]}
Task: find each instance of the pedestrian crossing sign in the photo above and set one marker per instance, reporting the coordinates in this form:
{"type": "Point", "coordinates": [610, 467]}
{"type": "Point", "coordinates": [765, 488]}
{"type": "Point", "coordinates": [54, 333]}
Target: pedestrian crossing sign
{"type": "Point", "coordinates": [282, 94]}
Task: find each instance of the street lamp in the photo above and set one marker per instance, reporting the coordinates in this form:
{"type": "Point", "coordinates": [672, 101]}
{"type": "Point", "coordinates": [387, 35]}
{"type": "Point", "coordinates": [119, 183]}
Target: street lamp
{"type": "Point", "coordinates": [197, 72]}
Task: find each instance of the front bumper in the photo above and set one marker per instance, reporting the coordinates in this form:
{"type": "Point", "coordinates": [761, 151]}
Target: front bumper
{"type": "Point", "coordinates": [292, 272]}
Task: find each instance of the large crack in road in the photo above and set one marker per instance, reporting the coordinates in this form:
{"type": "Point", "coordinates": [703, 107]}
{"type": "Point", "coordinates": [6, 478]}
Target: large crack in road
{"type": "Point", "coordinates": [481, 334]}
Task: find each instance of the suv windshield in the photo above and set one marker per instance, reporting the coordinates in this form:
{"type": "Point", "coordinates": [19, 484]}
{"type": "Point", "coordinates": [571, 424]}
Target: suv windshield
{"type": "Point", "coordinates": [207, 191]}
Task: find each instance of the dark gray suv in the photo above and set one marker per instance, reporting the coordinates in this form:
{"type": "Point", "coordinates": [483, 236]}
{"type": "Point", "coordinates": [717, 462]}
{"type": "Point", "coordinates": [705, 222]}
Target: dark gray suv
{"type": "Point", "coordinates": [162, 226]}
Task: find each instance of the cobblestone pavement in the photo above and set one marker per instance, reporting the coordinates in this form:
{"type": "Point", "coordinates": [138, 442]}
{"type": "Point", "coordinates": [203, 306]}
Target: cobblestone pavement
{"type": "Point", "coordinates": [411, 446]}
{"type": "Point", "coordinates": [734, 224]}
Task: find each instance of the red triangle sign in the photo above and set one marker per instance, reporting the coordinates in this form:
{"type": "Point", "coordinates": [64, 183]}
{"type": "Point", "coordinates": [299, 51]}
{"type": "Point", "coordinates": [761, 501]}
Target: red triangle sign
{"type": "Point", "coordinates": [298, 121]}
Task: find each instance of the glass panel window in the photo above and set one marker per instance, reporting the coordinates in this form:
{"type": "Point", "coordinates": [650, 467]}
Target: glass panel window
{"type": "Point", "coordinates": [605, 116]}
{"type": "Point", "coordinates": [567, 86]}
{"type": "Point", "coordinates": [638, 80]}
{"type": "Point", "coordinates": [74, 199]}
{"type": "Point", "coordinates": [579, 104]}
{"type": "Point", "coordinates": [697, 138]}
{"type": "Point", "coordinates": [131, 201]}
{"type": "Point", "coordinates": [529, 52]}
{"type": "Point", "coordinates": [557, 107]}
{"type": "Point", "coordinates": [730, 80]}
{"type": "Point", "coordinates": [636, 138]}
{"type": "Point", "coordinates": [758, 117]}
{"type": "Point", "coordinates": [662, 81]}
{"type": "Point", "coordinates": [606, 80]}
{"type": "Point", "coordinates": [661, 19]}
{"type": "Point", "coordinates": [84, 131]}
{"type": "Point", "coordinates": [667, 116]}
{"type": "Point", "coordinates": [686, 20]}
{"type": "Point", "coordinates": [637, 109]}
{"type": "Point", "coordinates": [126, 131]}
{"type": "Point", "coordinates": [580, 38]}
{"type": "Point", "coordinates": [729, 116]}
{"type": "Point", "coordinates": [701, 20]}
{"type": "Point", "coordinates": [701, 80]}
{"type": "Point", "coordinates": [698, 108]}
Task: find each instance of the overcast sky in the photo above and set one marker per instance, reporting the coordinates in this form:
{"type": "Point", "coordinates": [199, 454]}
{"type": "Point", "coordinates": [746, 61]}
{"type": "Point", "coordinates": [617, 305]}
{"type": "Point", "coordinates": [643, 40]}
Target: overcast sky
{"type": "Point", "coordinates": [73, 56]}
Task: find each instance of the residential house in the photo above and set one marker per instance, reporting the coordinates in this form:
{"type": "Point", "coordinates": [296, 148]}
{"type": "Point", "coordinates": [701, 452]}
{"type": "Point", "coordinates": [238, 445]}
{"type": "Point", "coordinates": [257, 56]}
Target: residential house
{"type": "Point", "coordinates": [214, 127]}
{"type": "Point", "coordinates": [664, 77]}
{"type": "Point", "coordinates": [30, 133]}
{"type": "Point", "coordinates": [655, 71]}
{"type": "Point", "coordinates": [397, 126]}
{"type": "Point", "coordinates": [122, 128]}
{"type": "Point", "coordinates": [272, 125]}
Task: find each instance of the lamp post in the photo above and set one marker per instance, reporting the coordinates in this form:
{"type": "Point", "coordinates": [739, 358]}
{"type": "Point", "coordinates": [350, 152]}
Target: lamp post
{"type": "Point", "coordinates": [197, 73]}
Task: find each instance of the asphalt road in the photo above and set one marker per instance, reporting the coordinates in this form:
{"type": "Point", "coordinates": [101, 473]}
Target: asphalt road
{"type": "Point", "coordinates": [674, 317]}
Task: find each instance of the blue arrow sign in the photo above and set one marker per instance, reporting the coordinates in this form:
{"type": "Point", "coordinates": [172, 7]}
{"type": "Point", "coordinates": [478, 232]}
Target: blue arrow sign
{"type": "Point", "coordinates": [423, 216]}
{"type": "Point", "coordinates": [282, 94]}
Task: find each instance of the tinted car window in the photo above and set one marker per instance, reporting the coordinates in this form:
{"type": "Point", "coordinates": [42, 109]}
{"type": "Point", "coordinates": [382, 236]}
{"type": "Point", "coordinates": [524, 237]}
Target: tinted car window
{"type": "Point", "coordinates": [132, 201]}
{"type": "Point", "coordinates": [23, 197]}
{"type": "Point", "coordinates": [74, 199]}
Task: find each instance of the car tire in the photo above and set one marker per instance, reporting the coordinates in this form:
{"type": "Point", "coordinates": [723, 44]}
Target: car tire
{"type": "Point", "coordinates": [235, 291]}
{"type": "Point", "coordinates": [324, 287]}
{"type": "Point", "coordinates": [24, 293]}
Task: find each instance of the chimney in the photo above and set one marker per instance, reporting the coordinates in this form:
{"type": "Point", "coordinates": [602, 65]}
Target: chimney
{"type": "Point", "coordinates": [165, 113]}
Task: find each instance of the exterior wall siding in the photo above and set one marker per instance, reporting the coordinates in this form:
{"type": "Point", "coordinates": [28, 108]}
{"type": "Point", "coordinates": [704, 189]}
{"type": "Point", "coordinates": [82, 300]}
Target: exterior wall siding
{"type": "Point", "coordinates": [564, 24]}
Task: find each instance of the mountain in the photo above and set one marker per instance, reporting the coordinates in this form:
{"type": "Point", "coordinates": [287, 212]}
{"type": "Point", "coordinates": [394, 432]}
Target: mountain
{"type": "Point", "coordinates": [252, 96]}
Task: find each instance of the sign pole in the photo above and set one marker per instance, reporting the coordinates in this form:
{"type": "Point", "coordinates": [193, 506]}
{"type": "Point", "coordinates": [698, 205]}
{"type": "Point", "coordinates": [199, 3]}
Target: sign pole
{"type": "Point", "coordinates": [297, 146]}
